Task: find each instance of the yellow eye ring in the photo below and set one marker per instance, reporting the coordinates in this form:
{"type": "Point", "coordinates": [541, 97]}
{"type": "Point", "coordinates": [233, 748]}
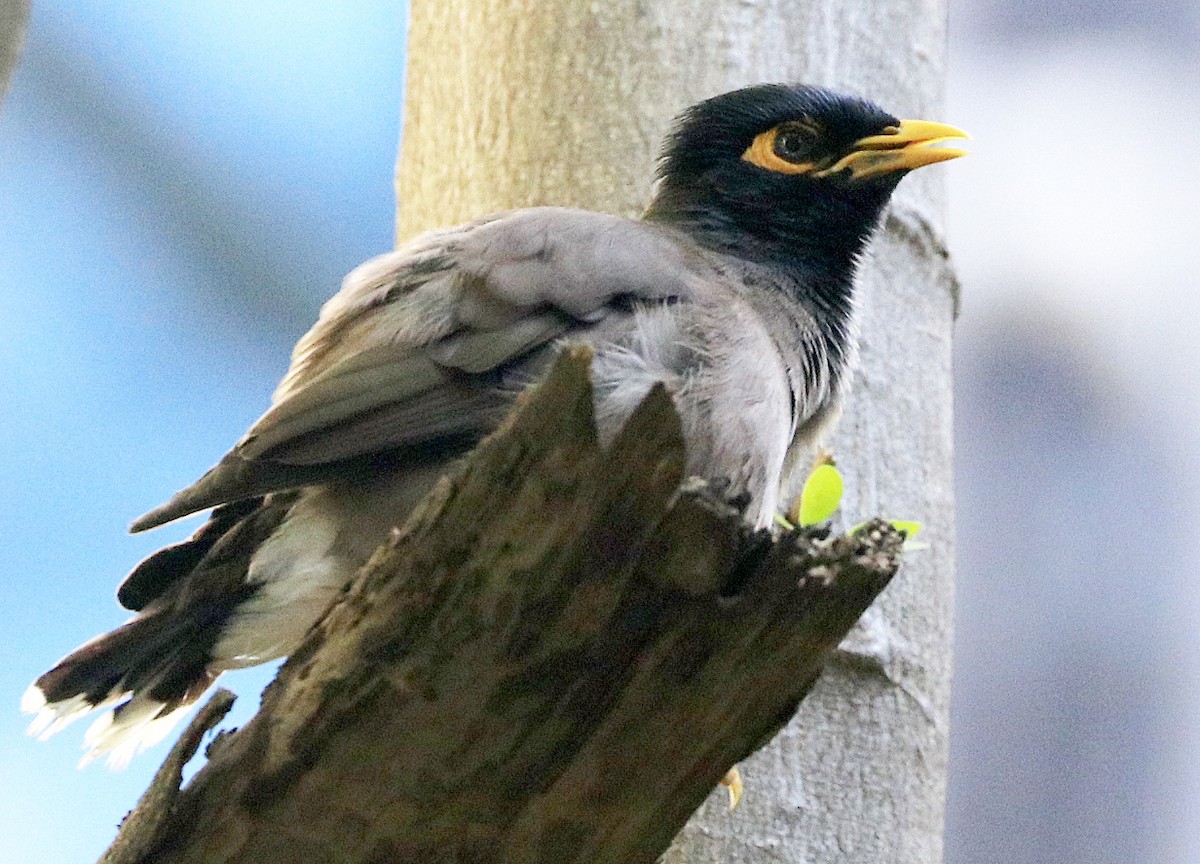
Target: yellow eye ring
{"type": "Point", "coordinates": [761, 152]}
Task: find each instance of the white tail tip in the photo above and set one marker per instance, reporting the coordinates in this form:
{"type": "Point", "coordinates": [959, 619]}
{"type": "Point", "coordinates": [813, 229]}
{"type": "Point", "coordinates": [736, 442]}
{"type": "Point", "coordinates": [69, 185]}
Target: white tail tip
{"type": "Point", "coordinates": [139, 726]}
{"type": "Point", "coordinates": [52, 716]}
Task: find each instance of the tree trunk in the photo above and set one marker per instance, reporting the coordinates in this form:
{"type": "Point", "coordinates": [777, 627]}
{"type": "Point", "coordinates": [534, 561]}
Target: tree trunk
{"type": "Point", "coordinates": [14, 14]}
{"type": "Point", "coordinates": [511, 104]}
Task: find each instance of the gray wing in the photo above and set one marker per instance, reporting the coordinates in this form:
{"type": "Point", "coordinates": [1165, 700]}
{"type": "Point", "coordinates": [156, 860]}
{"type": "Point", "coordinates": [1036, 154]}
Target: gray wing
{"type": "Point", "coordinates": [410, 350]}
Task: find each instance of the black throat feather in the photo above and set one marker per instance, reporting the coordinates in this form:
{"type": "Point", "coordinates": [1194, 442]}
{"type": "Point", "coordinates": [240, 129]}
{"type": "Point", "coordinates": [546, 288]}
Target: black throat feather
{"type": "Point", "coordinates": [807, 232]}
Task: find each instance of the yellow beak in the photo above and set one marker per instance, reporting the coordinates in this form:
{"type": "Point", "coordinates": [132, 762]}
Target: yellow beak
{"type": "Point", "coordinates": [899, 148]}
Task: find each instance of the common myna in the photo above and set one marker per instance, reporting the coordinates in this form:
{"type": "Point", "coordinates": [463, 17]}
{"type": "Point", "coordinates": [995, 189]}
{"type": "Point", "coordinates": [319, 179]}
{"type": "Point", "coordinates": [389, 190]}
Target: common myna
{"type": "Point", "coordinates": [735, 288]}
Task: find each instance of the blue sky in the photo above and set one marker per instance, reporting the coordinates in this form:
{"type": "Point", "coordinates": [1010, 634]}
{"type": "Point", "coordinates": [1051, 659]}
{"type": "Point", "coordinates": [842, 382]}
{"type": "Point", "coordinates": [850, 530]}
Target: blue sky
{"type": "Point", "coordinates": [181, 186]}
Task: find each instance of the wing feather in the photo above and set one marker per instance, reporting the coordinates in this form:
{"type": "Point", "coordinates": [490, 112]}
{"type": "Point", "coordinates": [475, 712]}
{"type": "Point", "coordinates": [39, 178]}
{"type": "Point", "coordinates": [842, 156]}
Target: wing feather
{"type": "Point", "coordinates": [405, 353]}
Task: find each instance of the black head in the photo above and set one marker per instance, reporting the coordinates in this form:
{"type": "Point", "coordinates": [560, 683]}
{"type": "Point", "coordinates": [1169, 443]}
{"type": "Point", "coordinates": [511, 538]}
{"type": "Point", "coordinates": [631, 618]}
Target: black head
{"type": "Point", "coordinates": [791, 174]}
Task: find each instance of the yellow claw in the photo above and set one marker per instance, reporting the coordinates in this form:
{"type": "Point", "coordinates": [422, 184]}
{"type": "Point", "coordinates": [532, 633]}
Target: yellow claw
{"type": "Point", "coordinates": [733, 782]}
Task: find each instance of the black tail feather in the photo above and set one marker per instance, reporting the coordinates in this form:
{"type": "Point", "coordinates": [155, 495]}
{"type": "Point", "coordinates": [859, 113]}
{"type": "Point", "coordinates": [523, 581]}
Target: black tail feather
{"type": "Point", "coordinates": [156, 658]}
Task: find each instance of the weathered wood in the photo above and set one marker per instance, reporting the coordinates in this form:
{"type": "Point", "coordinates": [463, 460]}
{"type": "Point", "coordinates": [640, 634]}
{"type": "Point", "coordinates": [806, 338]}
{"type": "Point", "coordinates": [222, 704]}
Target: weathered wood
{"type": "Point", "coordinates": [556, 658]}
{"type": "Point", "coordinates": [144, 827]}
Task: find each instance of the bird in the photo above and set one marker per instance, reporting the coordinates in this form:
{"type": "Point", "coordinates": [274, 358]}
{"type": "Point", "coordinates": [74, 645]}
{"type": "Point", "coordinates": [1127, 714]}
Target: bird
{"type": "Point", "coordinates": [735, 289]}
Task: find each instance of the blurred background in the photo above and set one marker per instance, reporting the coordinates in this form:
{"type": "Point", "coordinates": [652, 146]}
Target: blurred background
{"type": "Point", "coordinates": [180, 189]}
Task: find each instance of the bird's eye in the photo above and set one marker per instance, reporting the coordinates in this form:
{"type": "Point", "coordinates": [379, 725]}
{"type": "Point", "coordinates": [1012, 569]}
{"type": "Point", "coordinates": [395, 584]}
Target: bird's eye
{"type": "Point", "coordinates": [789, 148]}
{"type": "Point", "coordinates": [793, 142]}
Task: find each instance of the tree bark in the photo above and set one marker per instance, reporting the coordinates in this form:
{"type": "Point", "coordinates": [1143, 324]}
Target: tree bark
{"type": "Point", "coordinates": [14, 15]}
{"type": "Point", "coordinates": [555, 660]}
{"type": "Point", "coordinates": [515, 102]}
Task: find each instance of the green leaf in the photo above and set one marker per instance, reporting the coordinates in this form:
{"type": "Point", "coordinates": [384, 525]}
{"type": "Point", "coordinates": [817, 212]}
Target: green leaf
{"type": "Point", "coordinates": [821, 496]}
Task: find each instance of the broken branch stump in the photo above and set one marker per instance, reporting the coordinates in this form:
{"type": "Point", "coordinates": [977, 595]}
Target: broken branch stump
{"type": "Point", "coordinates": [555, 660]}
